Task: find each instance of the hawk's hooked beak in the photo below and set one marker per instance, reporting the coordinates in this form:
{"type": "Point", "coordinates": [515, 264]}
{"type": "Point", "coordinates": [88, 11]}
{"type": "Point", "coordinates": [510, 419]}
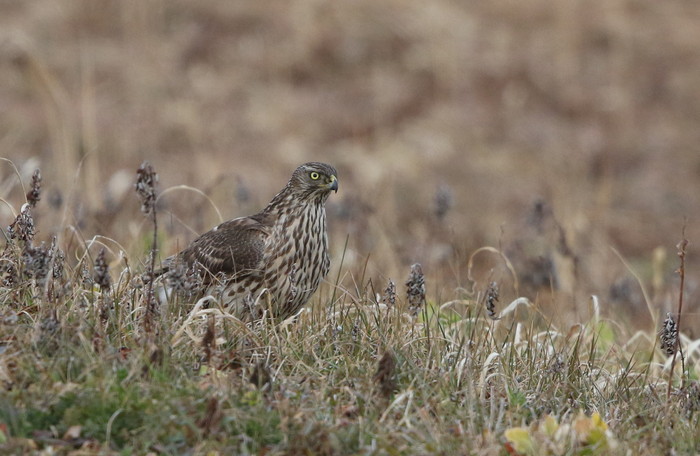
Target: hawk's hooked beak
{"type": "Point", "coordinates": [334, 184]}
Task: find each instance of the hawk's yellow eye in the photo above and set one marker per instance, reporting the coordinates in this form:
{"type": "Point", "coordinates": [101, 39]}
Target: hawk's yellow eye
{"type": "Point", "coordinates": [314, 175]}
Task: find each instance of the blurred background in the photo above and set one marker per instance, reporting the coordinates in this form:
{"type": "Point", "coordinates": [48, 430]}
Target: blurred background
{"type": "Point", "coordinates": [564, 134]}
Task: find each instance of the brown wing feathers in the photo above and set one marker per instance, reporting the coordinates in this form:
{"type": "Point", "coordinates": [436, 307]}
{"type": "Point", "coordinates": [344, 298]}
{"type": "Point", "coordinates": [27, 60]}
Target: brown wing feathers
{"type": "Point", "coordinates": [231, 248]}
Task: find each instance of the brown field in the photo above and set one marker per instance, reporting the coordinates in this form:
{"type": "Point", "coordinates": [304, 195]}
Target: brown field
{"type": "Point", "coordinates": [589, 109]}
{"type": "Point", "coordinates": [557, 132]}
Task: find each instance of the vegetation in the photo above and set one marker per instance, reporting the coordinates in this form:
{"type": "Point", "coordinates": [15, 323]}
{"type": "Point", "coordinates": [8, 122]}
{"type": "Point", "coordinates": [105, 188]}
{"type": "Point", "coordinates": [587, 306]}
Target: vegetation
{"type": "Point", "coordinates": [93, 366]}
{"type": "Point", "coordinates": [515, 178]}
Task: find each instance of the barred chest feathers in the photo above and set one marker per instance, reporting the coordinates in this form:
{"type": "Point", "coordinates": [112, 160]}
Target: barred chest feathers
{"type": "Point", "coordinates": [298, 253]}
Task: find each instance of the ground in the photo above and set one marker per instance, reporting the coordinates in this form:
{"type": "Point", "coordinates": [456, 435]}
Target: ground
{"type": "Point", "coordinates": [550, 148]}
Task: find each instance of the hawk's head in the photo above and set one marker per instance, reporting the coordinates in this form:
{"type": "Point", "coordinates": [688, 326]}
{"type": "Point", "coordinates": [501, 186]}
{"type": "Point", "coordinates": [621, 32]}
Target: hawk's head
{"type": "Point", "coordinates": [314, 179]}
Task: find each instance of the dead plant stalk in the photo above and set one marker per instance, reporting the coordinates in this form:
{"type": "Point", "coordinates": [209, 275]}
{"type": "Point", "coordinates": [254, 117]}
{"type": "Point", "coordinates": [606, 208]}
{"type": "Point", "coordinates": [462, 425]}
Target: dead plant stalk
{"type": "Point", "coordinates": [681, 271]}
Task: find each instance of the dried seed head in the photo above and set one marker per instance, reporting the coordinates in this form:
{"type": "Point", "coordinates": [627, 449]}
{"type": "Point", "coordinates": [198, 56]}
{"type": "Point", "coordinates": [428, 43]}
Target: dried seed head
{"type": "Point", "coordinates": [540, 214]}
{"type": "Point", "coordinates": [443, 201]}
{"type": "Point", "coordinates": [492, 300]}
{"type": "Point", "coordinates": [691, 398]}
{"type": "Point", "coordinates": [157, 355]}
{"type": "Point", "coordinates": [390, 294]}
{"type": "Point", "coordinates": [36, 261]}
{"type": "Point", "coordinates": [34, 193]}
{"type": "Point", "coordinates": [212, 417]}
{"type": "Point", "coordinates": [182, 279]}
{"type": "Point", "coordinates": [101, 272]}
{"type": "Point", "coordinates": [23, 226]}
{"type": "Point", "coordinates": [10, 276]}
{"type": "Point", "coordinates": [47, 328]}
{"type": "Point", "coordinates": [261, 375]}
{"type": "Point", "coordinates": [146, 180]}
{"type": "Point", "coordinates": [415, 289]}
{"type": "Point", "coordinates": [557, 366]}
{"type": "Point", "coordinates": [385, 377]}
{"type": "Point", "coordinates": [58, 260]}
{"type": "Point", "coordinates": [242, 191]}
{"type": "Point", "coordinates": [355, 331]}
{"type": "Point", "coordinates": [669, 335]}
{"type": "Point", "coordinates": [209, 338]}
{"type": "Point", "coordinates": [50, 324]}
{"type": "Point", "coordinates": [85, 277]}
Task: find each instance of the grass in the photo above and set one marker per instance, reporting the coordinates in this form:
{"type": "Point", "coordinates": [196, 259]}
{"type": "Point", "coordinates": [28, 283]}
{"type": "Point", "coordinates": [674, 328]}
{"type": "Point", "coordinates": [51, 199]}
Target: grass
{"type": "Point", "coordinates": [566, 138]}
{"type": "Point", "coordinates": [356, 373]}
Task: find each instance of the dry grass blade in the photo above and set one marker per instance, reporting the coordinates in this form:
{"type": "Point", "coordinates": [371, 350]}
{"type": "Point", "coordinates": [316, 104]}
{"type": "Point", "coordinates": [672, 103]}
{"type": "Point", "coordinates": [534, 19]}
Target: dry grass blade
{"type": "Point", "coordinates": [647, 300]}
{"type": "Point", "coordinates": [193, 190]}
{"type": "Point", "coordinates": [489, 249]}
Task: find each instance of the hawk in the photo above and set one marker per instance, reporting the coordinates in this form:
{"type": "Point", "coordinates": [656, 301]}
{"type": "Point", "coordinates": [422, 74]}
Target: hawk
{"type": "Point", "coordinates": [273, 260]}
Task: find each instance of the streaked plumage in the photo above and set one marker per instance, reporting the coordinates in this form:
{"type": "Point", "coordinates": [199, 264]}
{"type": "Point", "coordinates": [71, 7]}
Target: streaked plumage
{"type": "Point", "coordinates": [274, 259]}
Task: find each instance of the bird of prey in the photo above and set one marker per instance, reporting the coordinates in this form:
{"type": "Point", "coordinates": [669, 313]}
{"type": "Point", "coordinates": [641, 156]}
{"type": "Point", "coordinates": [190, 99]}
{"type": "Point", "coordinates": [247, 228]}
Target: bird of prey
{"type": "Point", "coordinates": [272, 262]}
